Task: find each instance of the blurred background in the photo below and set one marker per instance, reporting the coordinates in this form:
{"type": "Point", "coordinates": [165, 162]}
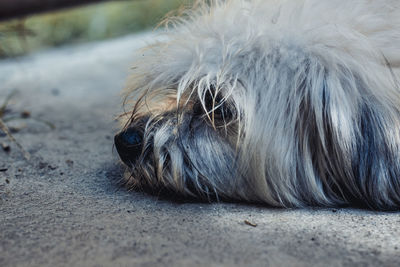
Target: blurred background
{"type": "Point", "coordinates": [81, 24]}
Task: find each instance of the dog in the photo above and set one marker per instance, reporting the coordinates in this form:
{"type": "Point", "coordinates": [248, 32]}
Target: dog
{"type": "Point", "coordinates": [288, 103]}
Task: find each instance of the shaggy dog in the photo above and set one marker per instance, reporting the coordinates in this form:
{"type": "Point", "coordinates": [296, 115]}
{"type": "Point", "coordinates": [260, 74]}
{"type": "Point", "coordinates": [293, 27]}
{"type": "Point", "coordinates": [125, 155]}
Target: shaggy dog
{"type": "Point", "coordinates": [289, 103]}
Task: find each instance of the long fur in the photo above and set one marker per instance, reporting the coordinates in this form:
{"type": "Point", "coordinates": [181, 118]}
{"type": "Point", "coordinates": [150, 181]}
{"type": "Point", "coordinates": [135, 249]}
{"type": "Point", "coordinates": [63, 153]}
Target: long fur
{"type": "Point", "coordinates": [285, 102]}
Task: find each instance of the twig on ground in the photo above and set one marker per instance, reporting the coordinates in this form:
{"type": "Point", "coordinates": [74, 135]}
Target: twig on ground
{"type": "Point", "coordinates": [250, 223]}
{"type": "Point", "coordinates": [5, 129]}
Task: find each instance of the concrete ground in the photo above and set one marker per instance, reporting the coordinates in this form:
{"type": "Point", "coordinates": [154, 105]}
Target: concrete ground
{"type": "Point", "coordinates": [64, 207]}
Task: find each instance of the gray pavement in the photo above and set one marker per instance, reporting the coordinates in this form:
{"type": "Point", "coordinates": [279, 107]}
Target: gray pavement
{"type": "Point", "coordinates": [64, 207]}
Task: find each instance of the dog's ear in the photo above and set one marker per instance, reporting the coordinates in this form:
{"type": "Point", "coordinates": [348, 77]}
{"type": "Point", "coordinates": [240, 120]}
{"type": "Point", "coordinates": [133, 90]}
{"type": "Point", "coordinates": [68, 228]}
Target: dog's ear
{"type": "Point", "coordinates": [347, 138]}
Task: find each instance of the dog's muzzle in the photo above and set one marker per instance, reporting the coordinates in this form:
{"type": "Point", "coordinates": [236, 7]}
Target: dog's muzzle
{"type": "Point", "coordinates": [129, 145]}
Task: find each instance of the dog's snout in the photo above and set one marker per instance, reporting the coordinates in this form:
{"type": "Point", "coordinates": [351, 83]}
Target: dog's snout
{"type": "Point", "coordinates": [129, 145]}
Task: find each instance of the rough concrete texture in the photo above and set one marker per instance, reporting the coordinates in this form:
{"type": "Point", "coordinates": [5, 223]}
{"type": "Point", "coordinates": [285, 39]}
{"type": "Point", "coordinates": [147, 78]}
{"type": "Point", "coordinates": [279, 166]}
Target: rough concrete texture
{"type": "Point", "coordinates": [65, 208]}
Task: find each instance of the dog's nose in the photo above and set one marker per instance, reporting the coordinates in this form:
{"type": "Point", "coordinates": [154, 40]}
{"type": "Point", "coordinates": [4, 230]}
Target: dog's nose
{"type": "Point", "coordinates": [129, 145]}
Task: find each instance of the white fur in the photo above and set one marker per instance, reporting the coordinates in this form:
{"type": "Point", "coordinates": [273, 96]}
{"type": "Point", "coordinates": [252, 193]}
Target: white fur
{"type": "Point", "coordinates": [274, 61]}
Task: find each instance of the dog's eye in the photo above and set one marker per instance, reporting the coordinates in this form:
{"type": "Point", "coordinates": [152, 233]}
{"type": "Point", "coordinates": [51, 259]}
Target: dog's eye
{"type": "Point", "coordinates": [214, 105]}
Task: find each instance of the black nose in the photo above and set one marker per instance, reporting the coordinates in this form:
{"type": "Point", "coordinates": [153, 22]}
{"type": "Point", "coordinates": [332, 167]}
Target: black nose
{"type": "Point", "coordinates": [129, 145]}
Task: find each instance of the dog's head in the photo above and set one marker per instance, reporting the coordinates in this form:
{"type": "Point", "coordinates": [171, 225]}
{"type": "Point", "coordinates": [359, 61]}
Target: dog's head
{"type": "Point", "coordinates": [248, 101]}
{"type": "Point", "coordinates": [185, 137]}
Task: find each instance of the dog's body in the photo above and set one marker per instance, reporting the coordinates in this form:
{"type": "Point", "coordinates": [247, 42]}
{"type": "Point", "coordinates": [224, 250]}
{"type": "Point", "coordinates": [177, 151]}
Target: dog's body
{"type": "Point", "coordinates": [285, 102]}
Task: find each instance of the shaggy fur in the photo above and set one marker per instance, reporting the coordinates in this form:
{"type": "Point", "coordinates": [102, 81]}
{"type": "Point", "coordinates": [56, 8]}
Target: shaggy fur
{"type": "Point", "coordinates": [284, 102]}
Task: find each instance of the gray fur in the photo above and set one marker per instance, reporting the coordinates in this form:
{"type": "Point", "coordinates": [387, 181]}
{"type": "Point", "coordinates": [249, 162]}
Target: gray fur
{"type": "Point", "coordinates": [289, 103]}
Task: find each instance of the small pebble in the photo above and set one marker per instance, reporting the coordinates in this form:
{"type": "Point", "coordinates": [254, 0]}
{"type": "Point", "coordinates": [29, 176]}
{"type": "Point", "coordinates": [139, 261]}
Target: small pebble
{"type": "Point", "coordinates": [52, 167]}
{"type": "Point", "coordinates": [25, 114]}
{"type": "Point", "coordinates": [55, 92]}
{"type": "Point", "coordinates": [42, 165]}
{"type": "Point", "coordinates": [6, 147]}
{"type": "Point", "coordinates": [69, 162]}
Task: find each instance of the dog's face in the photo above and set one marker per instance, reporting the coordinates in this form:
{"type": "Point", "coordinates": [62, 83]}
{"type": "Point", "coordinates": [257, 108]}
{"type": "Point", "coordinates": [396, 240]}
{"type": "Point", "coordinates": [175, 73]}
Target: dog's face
{"type": "Point", "coordinates": [182, 142]}
{"type": "Point", "coordinates": [255, 100]}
